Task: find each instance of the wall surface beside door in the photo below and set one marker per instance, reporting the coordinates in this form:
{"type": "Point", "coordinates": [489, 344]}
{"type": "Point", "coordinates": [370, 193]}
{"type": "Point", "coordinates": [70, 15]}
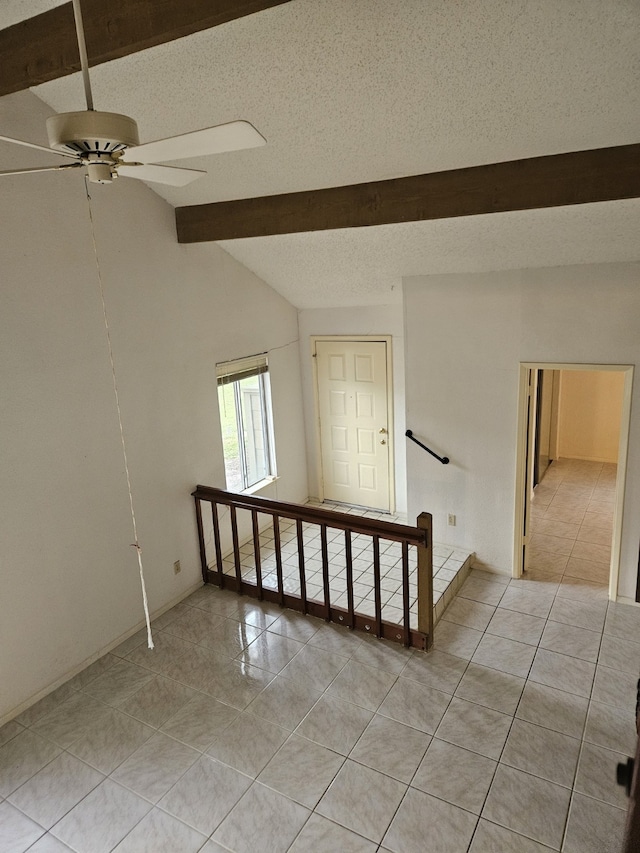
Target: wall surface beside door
{"type": "Point", "coordinates": [70, 585]}
{"type": "Point", "coordinates": [589, 416]}
{"type": "Point", "coordinates": [473, 331]}
{"type": "Point", "coordinates": [367, 320]}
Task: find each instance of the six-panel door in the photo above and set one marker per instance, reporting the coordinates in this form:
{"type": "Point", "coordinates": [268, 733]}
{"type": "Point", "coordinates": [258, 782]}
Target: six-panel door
{"type": "Point", "coordinates": [354, 429]}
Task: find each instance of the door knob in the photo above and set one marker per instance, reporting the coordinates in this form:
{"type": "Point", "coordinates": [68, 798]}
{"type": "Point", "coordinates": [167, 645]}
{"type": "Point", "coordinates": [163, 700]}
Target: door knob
{"type": "Point", "coordinates": [382, 431]}
{"type": "Point", "coordinates": [382, 441]}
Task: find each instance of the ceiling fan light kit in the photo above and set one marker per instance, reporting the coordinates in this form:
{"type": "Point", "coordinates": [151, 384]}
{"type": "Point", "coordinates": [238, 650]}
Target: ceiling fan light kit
{"type": "Point", "coordinates": [95, 137]}
{"type": "Point", "coordinates": [91, 131]}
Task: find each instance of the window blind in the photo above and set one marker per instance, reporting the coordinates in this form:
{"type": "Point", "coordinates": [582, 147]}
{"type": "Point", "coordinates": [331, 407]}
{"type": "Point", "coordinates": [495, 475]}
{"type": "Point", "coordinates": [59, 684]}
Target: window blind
{"type": "Point", "coordinates": [232, 371]}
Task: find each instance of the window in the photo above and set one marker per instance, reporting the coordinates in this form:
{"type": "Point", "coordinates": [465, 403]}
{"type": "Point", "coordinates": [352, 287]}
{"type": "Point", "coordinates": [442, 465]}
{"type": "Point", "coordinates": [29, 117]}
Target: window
{"type": "Point", "coordinates": [244, 397]}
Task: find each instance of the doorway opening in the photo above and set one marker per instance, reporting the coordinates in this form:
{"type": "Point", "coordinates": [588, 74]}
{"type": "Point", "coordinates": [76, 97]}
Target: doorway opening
{"type": "Point", "coordinates": [573, 430]}
{"type": "Point", "coordinates": [354, 405]}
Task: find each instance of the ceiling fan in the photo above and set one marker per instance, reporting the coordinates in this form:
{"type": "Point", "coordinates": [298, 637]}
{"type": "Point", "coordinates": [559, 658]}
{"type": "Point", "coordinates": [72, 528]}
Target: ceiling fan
{"type": "Point", "coordinates": [107, 144]}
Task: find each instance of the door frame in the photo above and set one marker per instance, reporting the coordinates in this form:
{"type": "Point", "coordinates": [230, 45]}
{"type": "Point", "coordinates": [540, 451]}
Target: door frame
{"type": "Point", "coordinates": [523, 499]}
{"type": "Point", "coordinates": [386, 339]}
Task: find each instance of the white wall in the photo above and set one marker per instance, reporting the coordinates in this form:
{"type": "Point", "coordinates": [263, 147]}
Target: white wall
{"type": "Point", "coordinates": [70, 585]}
{"type": "Point", "coordinates": [590, 407]}
{"type": "Point", "coordinates": [465, 338]}
{"type": "Point", "coordinates": [366, 320]}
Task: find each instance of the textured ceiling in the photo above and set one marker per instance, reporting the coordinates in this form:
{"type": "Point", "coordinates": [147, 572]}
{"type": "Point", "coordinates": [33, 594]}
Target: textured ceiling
{"type": "Point", "coordinates": [13, 11]}
{"type": "Point", "coordinates": [358, 266]}
{"type": "Point", "coordinates": [364, 90]}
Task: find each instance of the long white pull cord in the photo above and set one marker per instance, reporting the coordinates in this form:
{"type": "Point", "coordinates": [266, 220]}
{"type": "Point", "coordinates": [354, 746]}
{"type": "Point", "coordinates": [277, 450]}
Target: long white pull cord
{"type": "Point", "coordinates": [135, 544]}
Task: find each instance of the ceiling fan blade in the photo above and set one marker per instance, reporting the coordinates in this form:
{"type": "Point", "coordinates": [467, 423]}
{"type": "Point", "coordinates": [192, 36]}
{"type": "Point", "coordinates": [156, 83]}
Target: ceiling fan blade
{"type": "Point", "coordinates": [37, 147]}
{"type": "Point", "coordinates": [42, 169]}
{"type": "Point", "coordinates": [233, 136]}
{"type": "Point", "coordinates": [170, 175]}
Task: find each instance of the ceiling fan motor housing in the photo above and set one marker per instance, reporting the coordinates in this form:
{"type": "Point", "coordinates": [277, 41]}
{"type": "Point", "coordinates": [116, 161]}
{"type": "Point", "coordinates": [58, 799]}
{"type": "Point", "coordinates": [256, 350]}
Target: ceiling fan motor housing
{"type": "Point", "coordinates": [91, 132]}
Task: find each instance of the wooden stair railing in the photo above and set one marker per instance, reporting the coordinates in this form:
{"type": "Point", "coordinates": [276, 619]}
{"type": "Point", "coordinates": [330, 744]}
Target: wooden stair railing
{"type": "Point", "coordinates": [419, 537]}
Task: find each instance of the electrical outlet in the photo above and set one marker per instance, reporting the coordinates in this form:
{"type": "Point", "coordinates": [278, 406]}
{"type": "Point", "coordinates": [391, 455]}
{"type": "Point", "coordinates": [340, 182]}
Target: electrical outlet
{"type": "Point", "coordinates": [451, 520]}
{"type": "Point", "coordinates": [177, 568]}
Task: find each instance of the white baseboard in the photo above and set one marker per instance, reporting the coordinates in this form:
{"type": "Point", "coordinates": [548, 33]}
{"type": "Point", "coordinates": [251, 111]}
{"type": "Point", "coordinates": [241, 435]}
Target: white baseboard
{"type": "Point", "coordinates": [622, 599]}
{"type": "Point", "coordinates": [486, 567]}
{"type": "Point", "coordinates": [76, 669]}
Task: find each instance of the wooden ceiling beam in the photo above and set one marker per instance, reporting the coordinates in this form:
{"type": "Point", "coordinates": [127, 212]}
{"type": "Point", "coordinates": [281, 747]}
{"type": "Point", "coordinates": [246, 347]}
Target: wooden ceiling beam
{"type": "Point", "coordinates": [44, 47]}
{"type": "Point", "coordinates": [578, 177]}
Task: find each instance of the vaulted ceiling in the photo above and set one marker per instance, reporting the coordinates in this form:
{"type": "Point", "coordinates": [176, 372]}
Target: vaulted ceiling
{"type": "Point", "coordinates": [367, 90]}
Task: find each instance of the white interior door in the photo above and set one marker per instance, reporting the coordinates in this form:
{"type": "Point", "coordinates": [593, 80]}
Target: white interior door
{"type": "Point", "coordinates": [353, 389]}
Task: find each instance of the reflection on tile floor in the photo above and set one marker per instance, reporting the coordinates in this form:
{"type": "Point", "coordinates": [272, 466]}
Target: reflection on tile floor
{"type": "Point", "coordinates": [450, 567]}
{"type": "Point", "coordinates": [251, 728]}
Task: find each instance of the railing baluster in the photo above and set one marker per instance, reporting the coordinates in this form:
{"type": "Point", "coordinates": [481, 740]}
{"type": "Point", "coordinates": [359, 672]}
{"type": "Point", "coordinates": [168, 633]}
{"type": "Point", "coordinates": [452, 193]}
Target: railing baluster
{"type": "Point", "coordinates": [418, 536]}
{"type": "Point", "coordinates": [376, 580]}
{"type": "Point", "coordinates": [256, 551]}
{"type": "Point", "coordinates": [236, 546]}
{"type": "Point", "coordinates": [425, 579]}
{"type": "Point", "coordinates": [276, 542]}
{"type": "Point", "coordinates": [303, 578]}
{"type": "Point", "coordinates": [325, 571]}
{"type": "Point", "coordinates": [405, 594]}
{"type": "Point", "coordinates": [348, 553]}
{"type": "Point", "coordinates": [203, 547]}
{"type": "Point", "coordinates": [216, 539]}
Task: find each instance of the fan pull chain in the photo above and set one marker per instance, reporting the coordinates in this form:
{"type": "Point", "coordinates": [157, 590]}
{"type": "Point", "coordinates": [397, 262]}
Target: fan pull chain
{"type": "Point", "coordinates": [135, 544]}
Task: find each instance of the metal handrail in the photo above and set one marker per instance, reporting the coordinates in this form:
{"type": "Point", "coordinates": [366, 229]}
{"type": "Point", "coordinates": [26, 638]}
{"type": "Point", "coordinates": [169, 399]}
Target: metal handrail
{"type": "Point", "coordinates": [443, 459]}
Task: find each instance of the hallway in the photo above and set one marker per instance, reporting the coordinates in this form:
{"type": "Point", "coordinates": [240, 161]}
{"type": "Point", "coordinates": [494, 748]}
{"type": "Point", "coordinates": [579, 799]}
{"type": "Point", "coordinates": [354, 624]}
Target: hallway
{"type": "Point", "coordinates": [572, 522]}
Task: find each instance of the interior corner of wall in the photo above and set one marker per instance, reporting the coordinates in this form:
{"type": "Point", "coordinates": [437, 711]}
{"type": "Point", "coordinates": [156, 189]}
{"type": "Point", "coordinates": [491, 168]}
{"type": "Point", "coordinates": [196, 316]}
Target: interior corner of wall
{"type": "Point", "coordinates": [477, 563]}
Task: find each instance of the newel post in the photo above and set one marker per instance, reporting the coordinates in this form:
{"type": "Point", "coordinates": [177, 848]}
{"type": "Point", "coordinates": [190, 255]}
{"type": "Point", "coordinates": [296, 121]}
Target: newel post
{"type": "Point", "coordinates": [425, 578]}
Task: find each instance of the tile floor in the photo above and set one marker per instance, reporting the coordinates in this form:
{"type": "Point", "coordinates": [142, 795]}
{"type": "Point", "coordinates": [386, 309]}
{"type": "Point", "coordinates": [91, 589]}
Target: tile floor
{"type": "Point", "coordinates": [450, 567]}
{"type": "Point", "coordinates": [572, 521]}
{"type": "Point", "coordinates": [250, 728]}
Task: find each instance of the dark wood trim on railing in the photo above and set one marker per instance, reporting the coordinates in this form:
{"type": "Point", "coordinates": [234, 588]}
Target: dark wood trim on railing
{"type": "Point", "coordinates": [419, 536]}
{"type": "Point", "coordinates": [348, 559]}
{"type": "Point", "coordinates": [406, 601]}
{"type": "Point", "coordinates": [324, 549]}
{"type": "Point", "coordinates": [376, 584]}
{"type": "Point", "coordinates": [276, 540]}
{"type": "Point", "coordinates": [367, 624]}
{"type": "Point", "coordinates": [216, 538]}
{"type": "Point", "coordinates": [313, 515]}
{"type": "Point", "coordinates": [425, 579]}
{"type": "Point", "coordinates": [443, 459]}
{"type": "Point", "coordinates": [256, 551]}
{"type": "Point", "coordinates": [236, 544]}
{"type": "Point", "coordinates": [203, 554]}
{"type": "Point", "coordinates": [303, 577]}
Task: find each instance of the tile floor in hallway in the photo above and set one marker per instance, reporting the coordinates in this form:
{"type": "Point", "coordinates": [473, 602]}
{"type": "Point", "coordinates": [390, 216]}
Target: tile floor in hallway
{"type": "Point", "coordinates": [257, 730]}
{"type": "Point", "coordinates": [572, 521]}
